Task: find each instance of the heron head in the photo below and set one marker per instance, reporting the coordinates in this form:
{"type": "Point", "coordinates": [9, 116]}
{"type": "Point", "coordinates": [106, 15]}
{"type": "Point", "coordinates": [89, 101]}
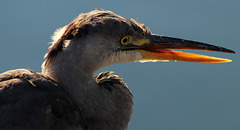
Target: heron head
{"type": "Point", "coordinates": [101, 38]}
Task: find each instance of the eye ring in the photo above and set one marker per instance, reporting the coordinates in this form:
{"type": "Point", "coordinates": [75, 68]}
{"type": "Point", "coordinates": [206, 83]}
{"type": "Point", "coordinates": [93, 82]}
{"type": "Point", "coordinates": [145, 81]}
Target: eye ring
{"type": "Point", "coordinates": [125, 40]}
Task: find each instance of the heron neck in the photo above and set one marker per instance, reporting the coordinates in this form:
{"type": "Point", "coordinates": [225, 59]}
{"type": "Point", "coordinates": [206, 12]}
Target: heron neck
{"type": "Point", "coordinates": [93, 101]}
{"type": "Point", "coordinates": [75, 80]}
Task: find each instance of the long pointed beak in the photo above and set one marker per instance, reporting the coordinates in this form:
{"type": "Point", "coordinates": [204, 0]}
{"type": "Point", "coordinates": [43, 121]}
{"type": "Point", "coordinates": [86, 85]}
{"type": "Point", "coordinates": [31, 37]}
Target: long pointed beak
{"type": "Point", "coordinates": [156, 48]}
{"type": "Point", "coordinates": [165, 42]}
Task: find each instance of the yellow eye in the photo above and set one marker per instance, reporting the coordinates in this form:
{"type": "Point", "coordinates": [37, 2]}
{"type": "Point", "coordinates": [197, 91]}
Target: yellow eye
{"type": "Point", "coordinates": [125, 40]}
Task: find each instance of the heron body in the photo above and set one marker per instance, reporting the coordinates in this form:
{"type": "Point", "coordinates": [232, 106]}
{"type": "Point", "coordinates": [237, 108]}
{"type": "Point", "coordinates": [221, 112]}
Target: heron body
{"type": "Point", "coordinates": [66, 95]}
{"type": "Point", "coordinates": [38, 102]}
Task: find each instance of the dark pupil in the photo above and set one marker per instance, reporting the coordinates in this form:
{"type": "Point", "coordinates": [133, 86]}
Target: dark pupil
{"type": "Point", "coordinates": [125, 40]}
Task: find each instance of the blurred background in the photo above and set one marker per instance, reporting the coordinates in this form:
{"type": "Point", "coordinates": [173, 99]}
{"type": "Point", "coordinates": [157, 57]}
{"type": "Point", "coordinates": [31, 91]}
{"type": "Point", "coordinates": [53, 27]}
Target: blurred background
{"type": "Point", "coordinates": [167, 95]}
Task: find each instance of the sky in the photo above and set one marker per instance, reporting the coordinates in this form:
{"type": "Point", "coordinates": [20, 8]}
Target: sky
{"type": "Point", "coordinates": [167, 95]}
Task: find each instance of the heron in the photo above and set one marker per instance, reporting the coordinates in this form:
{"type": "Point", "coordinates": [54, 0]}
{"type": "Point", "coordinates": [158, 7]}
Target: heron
{"type": "Point", "coordinates": [67, 95]}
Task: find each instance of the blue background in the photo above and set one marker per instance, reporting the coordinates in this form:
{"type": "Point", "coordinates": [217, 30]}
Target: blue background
{"type": "Point", "coordinates": [167, 95]}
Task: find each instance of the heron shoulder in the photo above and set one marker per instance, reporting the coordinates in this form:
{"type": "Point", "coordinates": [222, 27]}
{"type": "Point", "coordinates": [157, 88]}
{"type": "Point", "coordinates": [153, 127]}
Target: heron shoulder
{"type": "Point", "coordinates": [109, 80]}
{"type": "Point", "coordinates": [31, 100]}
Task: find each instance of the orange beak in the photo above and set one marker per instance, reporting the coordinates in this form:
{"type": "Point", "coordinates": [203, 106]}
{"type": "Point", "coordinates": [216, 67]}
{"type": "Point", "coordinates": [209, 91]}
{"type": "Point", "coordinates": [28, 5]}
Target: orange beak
{"type": "Point", "coordinates": [155, 47]}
